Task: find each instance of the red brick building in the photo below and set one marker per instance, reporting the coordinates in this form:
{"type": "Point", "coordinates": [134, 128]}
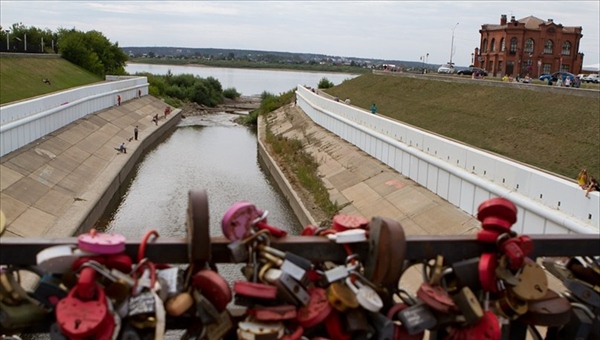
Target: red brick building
{"type": "Point", "coordinates": [529, 45]}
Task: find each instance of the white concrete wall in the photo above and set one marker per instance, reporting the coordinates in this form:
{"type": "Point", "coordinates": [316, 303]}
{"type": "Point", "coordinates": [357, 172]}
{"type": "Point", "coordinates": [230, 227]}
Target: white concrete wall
{"type": "Point", "coordinates": [463, 175]}
{"type": "Point", "coordinates": [26, 121]}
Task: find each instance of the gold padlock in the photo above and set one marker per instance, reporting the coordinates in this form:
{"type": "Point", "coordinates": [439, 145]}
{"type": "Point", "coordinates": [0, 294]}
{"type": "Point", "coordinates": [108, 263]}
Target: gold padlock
{"type": "Point", "coordinates": [341, 297]}
{"type": "Point", "coordinates": [20, 316]}
{"type": "Point", "coordinates": [510, 306]}
{"type": "Point", "coordinates": [532, 282]}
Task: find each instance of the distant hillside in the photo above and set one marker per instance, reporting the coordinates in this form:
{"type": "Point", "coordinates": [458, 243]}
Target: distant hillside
{"type": "Point", "coordinates": [21, 76]}
{"type": "Point", "coordinates": [256, 55]}
{"type": "Point", "coordinates": [556, 132]}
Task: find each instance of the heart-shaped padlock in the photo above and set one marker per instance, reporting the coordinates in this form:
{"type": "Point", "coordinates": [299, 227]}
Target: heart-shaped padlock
{"type": "Point", "coordinates": [343, 222]}
{"type": "Point", "coordinates": [214, 287]}
{"type": "Point", "coordinates": [317, 309]}
{"type": "Point", "coordinates": [238, 219]}
{"type": "Point", "coordinates": [79, 318]}
{"type": "Point", "coordinates": [101, 243]}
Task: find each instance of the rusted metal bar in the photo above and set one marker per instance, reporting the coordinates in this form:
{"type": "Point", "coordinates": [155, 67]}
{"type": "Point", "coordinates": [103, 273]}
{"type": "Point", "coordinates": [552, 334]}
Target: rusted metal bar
{"type": "Point", "coordinates": [22, 251]}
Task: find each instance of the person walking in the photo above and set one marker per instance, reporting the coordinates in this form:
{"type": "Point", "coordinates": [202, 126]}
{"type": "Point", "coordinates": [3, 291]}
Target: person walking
{"type": "Point", "coordinates": [135, 132]}
{"type": "Point", "coordinates": [374, 109]}
{"type": "Point", "coordinates": [118, 100]}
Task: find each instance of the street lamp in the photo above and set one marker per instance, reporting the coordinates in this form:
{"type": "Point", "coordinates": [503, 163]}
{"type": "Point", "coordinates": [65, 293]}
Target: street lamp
{"type": "Point", "coordinates": [452, 44]}
{"type": "Point", "coordinates": [473, 59]}
{"type": "Point", "coordinates": [7, 37]}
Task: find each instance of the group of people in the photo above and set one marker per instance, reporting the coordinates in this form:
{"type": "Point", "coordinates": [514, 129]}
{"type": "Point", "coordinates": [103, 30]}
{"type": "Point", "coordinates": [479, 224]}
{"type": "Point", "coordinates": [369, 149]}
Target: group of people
{"type": "Point", "coordinates": [587, 183]}
{"type": "Point", "coordinates": [517, 79]}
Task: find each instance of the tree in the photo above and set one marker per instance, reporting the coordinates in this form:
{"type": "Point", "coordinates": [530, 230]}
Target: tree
{"type": "Point", "coordinates": [92, 51]}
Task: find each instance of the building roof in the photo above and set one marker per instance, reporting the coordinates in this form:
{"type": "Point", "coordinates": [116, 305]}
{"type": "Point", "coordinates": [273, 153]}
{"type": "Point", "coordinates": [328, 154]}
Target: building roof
{"type": "Point", "coordinates": [531, 23]}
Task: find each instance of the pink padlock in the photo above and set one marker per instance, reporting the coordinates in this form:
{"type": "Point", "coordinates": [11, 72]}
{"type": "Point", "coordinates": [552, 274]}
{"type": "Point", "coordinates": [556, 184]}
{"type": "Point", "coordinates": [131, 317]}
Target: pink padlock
{"type": "Point", "coordinates": [238, 219]}
{"type": "Point", "coordinates": [101, 243]}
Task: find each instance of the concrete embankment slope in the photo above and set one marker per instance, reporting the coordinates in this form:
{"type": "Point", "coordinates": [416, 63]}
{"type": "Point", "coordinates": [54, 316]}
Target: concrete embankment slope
{"type": "Point", "coordinates": [65, 180]}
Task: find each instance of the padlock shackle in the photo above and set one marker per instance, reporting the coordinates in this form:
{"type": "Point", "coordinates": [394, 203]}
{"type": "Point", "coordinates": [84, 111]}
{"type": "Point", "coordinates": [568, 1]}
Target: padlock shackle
{"type": "Point", "coordinates": [142, 248]}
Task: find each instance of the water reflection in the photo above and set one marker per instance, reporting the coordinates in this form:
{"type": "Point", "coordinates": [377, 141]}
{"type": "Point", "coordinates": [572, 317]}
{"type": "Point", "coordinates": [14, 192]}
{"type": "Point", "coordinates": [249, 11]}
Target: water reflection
{"type": "Point", "coordinates": [205, 152]}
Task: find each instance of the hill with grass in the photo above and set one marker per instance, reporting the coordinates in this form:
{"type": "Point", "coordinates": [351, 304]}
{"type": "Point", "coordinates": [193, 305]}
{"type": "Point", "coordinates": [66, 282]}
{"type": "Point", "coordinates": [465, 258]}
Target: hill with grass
{"type": "Point", "coordinates": [22, 77]}
{"type": "Point", "coordinates": [559, 133]}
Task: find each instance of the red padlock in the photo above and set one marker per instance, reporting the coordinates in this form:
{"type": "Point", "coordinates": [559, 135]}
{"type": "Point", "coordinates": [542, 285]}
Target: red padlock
{"type": "Point", "coordinates": [333, 324]}
{"type": "Point", "coordinates": [513, 252]}
{"type": "Point", "coordinates": [487, 236]}
{"type": "Point", "coordinates": [343, 222]}
{"type": "Point", "coordinates": [275, 232]}
{"type": "Point", "coordinates": [214, 287]}
{"type": "Point", "coordinates": [309, 230]}
{"type": "Point", "coordinates": [436, 297]}
{"type": "Point", "coordinates": [497, 224]}
{"type": "Point", "coordinates": [499, 208]}
{"type": "Point", "coordinates": [487, 271]}
{"type": "Point", "coordinates": [317, 309]}
{"type": "Point", "coordinates": [488, 328]}
{"type": "Point", "coordinates": [273, 313]}
{"type": "Point", "coordinates": [255, 290]}
{"type": "Point", "coordinates": [526, 244]}
{"type": "Point", "coordinates": [80, 318]}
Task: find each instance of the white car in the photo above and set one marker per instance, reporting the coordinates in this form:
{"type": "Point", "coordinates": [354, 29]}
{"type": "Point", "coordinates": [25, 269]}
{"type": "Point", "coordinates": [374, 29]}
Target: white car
{"type": "Point", "coordinates": [449, 69]}
{"type": "Point", "coordinates": [591, 78]}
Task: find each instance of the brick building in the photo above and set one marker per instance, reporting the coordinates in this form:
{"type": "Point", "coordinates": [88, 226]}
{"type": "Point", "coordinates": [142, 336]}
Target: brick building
{"type": "Point", "coordinates": [529, 45]}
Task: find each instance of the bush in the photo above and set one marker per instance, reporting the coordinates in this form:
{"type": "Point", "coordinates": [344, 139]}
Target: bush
{"type": "Point", "coordinates": [324, 83]}
{"type": "Point", "coordinates": [231, 93]}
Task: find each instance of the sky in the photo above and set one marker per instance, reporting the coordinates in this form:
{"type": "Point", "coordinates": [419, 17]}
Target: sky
{"type": "Point", "coordinates": [392, 30]}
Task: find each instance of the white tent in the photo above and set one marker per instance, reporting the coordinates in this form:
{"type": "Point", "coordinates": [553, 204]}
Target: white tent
{"type": "Point", "coordinates": [594, 67]}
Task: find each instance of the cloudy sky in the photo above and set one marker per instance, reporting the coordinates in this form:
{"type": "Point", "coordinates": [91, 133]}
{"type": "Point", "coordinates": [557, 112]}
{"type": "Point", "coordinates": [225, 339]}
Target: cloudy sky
{"type": "Point", "coordinates": [397, 30]}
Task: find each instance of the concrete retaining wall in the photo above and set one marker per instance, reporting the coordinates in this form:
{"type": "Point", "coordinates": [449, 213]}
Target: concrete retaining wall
{"type": "Point", "coordinates": [463, 175]}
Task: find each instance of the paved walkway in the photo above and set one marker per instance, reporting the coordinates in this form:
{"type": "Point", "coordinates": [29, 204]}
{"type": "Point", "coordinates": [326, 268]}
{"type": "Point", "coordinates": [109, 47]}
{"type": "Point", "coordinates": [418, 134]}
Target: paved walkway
{"type": "Point", "coordinates": [48, 185]}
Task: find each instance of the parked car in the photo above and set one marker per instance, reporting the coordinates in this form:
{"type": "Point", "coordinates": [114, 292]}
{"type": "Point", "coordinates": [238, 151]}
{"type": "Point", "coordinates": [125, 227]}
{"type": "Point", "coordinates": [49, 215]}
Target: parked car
{"type": "Point", "coordinates": [591, 78]}
{"type": "Point", "coordinates": [554, 76]}
{"type": "Point", "coordinates": [581, 76]}
{"type": "Point", "coordinates": [446, 69]}
{"type": "Point", "coordinates": [471, 70]}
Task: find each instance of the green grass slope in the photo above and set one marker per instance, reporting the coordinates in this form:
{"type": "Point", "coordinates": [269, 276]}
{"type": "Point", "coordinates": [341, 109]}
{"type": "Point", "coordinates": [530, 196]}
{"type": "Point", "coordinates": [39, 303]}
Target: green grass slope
{"type": "Point", "coordinates": [21, 77]}
{"type": "Point", "coordinates": [556, 132]}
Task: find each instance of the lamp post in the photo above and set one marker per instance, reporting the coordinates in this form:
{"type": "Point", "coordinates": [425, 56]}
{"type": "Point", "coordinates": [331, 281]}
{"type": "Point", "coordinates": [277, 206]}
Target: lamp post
{"type": "Point", "coordinates": [452, 44]}
{"type": "Point", "coordinates": [473, 59]}
{"type": "Point", "coordinates": [7, 39]}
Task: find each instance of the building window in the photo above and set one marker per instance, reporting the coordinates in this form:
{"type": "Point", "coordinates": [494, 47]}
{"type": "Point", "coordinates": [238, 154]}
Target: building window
{"type": "Point", "coordinates": [500, 66]}
{"type": "Point", "coordinates": [493, 45]}
{"type": "Point", "coordinates": [566, 48]}
{"type": "Point", "coordinates": [546, 68]}
{"type": "Point", "coordinates": [548, 47]}
{"type": "Point", "coordinates": [513, 45]}
{"type": "Point", "coordinates": [564, 68]}
{"type": "Point", "coordinates": [484, 46]}
{"type": "Point", "coordinates": [529, 45]}
{"type": "Point", "coordinates": [502, 45]}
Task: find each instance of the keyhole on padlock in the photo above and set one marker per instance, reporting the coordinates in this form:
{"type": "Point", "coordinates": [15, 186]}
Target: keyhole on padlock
{"type": "Point", "coordinates": [538, 288]}
{"type": "Point", "coordinates": [77, 323]}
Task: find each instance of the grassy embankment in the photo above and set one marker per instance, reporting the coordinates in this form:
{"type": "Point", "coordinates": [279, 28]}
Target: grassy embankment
{"type": "Point", "coordinates": [559, 133]}
{"type": "Point", "coordinates": [21, 77]}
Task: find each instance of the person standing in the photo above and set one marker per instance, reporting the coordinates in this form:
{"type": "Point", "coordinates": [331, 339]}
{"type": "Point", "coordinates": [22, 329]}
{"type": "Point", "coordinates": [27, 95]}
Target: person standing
{"type": "Point", "coordinates": [118, 100]}
{"type": "Point", "coordinates": [374, 109]}
{"type": "Point", "coordinates": [135, 132]}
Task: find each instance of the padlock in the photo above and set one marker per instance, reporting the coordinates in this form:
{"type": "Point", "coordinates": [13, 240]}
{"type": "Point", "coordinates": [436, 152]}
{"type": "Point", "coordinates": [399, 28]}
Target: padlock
{"type": "Point", "coordinates": [287, 267]}
{"type": "Point", "coordinates": [316, 311]}
{"type": "Point", "coordinates": [179, 304]}
{"type": "Point", "coordinates": [239, 249]}
{"type": "Point", "coordinates": [341, 297]}
{"type": "Point", "coordinates": [468, 305]}
{"type": "Point", "coordinates": [59, 259]}
{"type": "Point", "coordinates": [585, 268]}
{"type": "Point", "coordinates": [272, 276]}
{"type": "Point", "coordinates": [533, 283]}
{"type": "Point", "coordinates": [416, 319]}
{"type": "Point", "coordinates": [173, 277]}
{"type": "Point", "coordinates": [366, 296]}
{"type": "Point", "coordinates": [198, 227]}
{"type": "Point", "coordinates": [466, 273]}
{"type": "Point", "coordinates": [509, 306]}
{"type": "Point", "coordinates": [221, 327]}
{"type": "Point", "coordinates": [487, 272]}
{"type": "Point", "coordinates": [497, 208]}
{"type": "Point", "coordinates": [214, 287]}
{"type": "Point", "coordinates": [142, 310]}
{"type": "Point", "coordinates": [342, 222]}
{"type": "Point", "coordinates": [255, 290]}
{"type": "Point", "coordinates": [383, 326]}
{"type": "Point", "coordinates": [580, 324]}
{"type": "Point", "coordinates": [552, 310]}
{"type": "Point", "coordinates": [205, 311]}
{"type": "Point", "coordinates": [348, 236]}
{"type": "Point", "coordinates": [101, 243]}
{"type": "Point", "coordinates": [116, 288]}
{"type": "Point", "coordinates": [25, 314]}
{"type": "Point", "coordinates": [487, 236]}
{"type": "Point", "coordinates": [49, 290]}
{"type": "Point", "coordinates": [504, 273]}
{"type": "Point", "coordinates": [354, 320]}
{"type": "Point", "coordinates": [583, 291]}
{"type": "Point", "coordinates": [238, 219]}
{"type": "Point", "coordinates": [273, 313]}
{"type": "Point", "coordinates": [436, 298]}
{"type": "Point", "coordinates": [79, 318]}
{"type": "Point", "coordinates": [488, 328]}
{"type": "Point", "coordinates": [250, 329]}
{"type": "Point", "coordinates": [386, 241]}
{"type": "Point", "coordinates": [334, 327]}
